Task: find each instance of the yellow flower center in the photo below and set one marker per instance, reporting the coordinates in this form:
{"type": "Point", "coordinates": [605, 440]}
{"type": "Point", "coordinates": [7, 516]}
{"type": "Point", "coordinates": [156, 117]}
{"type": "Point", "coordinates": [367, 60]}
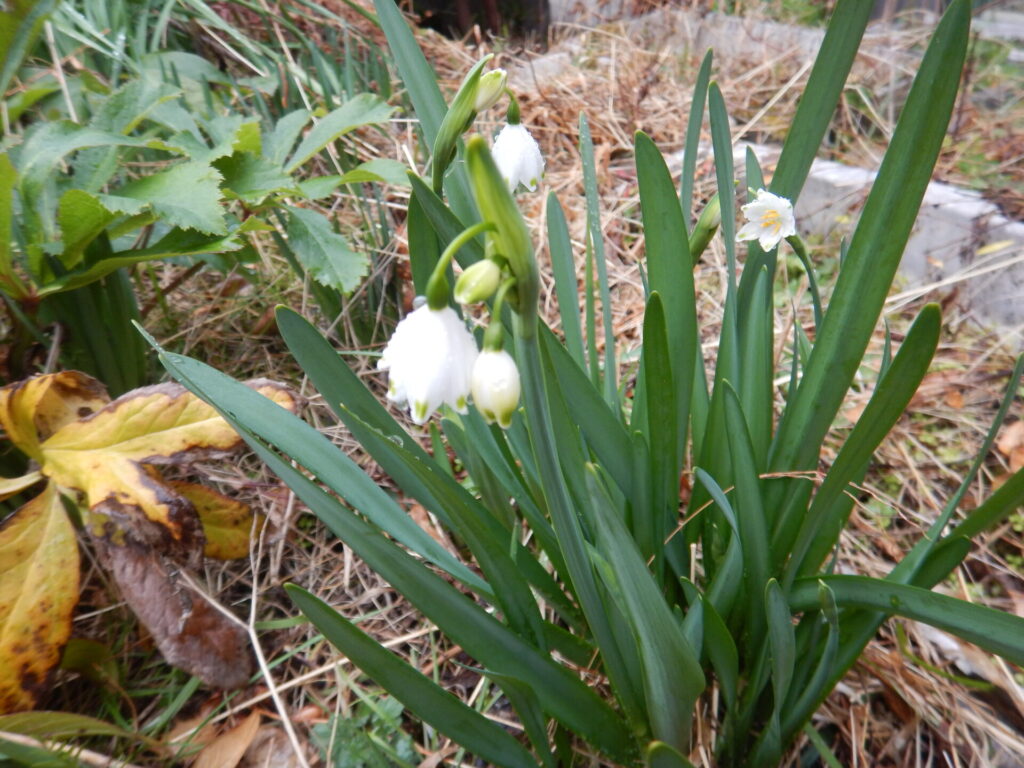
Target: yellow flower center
{"type": "Point", "coordinates": [770, 219]}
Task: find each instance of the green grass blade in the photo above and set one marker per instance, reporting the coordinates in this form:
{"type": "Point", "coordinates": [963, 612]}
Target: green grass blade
{"type": "Point", "coordinates": [995, 631]}
{"type": "Point", "coordinates": [877, 245]}
{"type": "Point", "coordinates": [596, 237]}
{"type": "Point", "coordinates": [563, 266]}
{"type": "Point", "coordinates": [419, 694]}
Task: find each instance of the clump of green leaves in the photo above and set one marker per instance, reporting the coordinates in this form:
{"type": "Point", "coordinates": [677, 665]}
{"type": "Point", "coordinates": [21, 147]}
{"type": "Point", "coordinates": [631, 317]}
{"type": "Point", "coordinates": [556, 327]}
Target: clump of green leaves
{"type": "Point", "coordinates": [584, 555]}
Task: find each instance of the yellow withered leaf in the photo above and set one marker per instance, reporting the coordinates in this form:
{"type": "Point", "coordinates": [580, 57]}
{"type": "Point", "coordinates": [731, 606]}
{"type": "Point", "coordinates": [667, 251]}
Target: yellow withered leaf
{"type": "Point", "coordinates": [38, 591]}
{"type": "Point", "coordinates": [102, 455]}
{"type": "Point", "coordinates": [12, 485]}
{"type": "Point", "coordinates": [227, 524]}
{"type": "Point", "coordinates": [33, 409]}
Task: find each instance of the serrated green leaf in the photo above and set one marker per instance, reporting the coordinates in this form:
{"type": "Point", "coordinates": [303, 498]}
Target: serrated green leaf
{"type": "Point", "coordinates": [186, 195]}
{"type": "Point", "coordinates": [250, 177]}
{"type": "Point", "coordinates": [363, 109]}
{"type": "Point", "coordinates": [324, 253]}
{"type": "Point", "coordinates": [20, 24]}
{"type": "Point", "coordinates": [81, 217]}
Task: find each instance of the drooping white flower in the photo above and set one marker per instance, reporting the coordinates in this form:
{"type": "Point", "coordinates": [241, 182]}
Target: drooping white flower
{"type": "Point", "coordinates": [495, 386]}
{"type": "Point", "coordinates": [518, 157]}
{"type": "Point", "coordinates": [429, 361]}
{"type": "Point", "coordinates": [489, 88]}
{"type": "Point", "coordinates": [769, 220]}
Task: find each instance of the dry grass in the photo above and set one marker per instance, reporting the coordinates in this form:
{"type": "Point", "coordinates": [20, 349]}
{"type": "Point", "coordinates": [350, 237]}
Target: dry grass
{"type": "Point", "coordinates": [892, 709]}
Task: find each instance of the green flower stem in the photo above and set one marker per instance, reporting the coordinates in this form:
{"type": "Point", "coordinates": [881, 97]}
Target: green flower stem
{"type": "Point", "coordinates": [494, 336]}
{"type": "Point", "coordinates": [798, 246]}
{"type": "Point", "coordinates": [438, 289]}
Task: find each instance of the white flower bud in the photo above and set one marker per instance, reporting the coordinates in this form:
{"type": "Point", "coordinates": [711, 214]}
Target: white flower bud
{"type": "Point", "coordinates": [489, 89]}
{"type": "Point", "coordinates": [518, 157]}
{"type": "Point", "coordinates": [429, 361]}
{"type": "Point", "coordinates": [769, 220]}
{"type": "Point", "coordinates": [495, 386]}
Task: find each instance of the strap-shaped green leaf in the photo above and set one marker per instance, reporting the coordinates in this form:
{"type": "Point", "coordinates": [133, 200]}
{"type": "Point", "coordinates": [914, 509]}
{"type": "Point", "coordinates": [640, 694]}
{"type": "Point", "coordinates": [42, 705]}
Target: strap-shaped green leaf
{"type": "Point", "coordinates": [819, 99]}
{"type": "Point", "coordinates": [996, 631]}
{"type": "Point", "coordinates": [821, 525]}
{"type": "Point", "coordinates": [692, 145]}
{"type": "Point", "coordinates": [876, 247]}
{"type": "Point", "coordinates": [420, 695]}
{"type": "Point", "coordinates": [672, 677]}
{"type": "Point", "coordinates": [263, 424]}
{"type": "Point", "coordinates": [563, 267]}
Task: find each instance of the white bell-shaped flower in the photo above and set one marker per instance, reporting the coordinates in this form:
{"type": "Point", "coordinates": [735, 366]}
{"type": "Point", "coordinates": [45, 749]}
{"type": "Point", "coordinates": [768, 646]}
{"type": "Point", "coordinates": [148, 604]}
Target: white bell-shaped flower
{"type": "Point", "coordinates": [429, 361]}
{"type": "Point", "coordinates": [495, 386]}
{"type": "Point", "coordinates": [518, 157]}
{"type": "Point", "coordinates": [769, 220]}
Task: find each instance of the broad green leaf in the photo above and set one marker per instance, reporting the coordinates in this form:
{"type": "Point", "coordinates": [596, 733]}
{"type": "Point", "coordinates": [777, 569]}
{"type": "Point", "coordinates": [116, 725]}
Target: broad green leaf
{"type": "Point", "coordinates": [251, 177]}
{"type": "Point", "coordinates": [10, 283]}
{"type": "Point", "coordinates": [186, 195]}
{"type": "Point", "coordinates": [324, 253]}
{"type": "Point", "coordinates": [38, 592]}
{"type": "Point", "coordinates": [363, 109]}
{"type": "Point", "coordinates": [381, 169]}
{"type": "Point", "coordinates": [661, 755]}
{"type": "Point", "coordinates": [45, 146]}
{"type": "Point", "coordinates": [81, 217]}
{"type": "Point", "coordinates": [876, 247]}
{"type": "Point", "coordinates": [129, 105]}
{"type": "Point", "coordinates": [228, 524]}
{"type": "Point", "coordinates": [421, 696]}
{"type": "Point", "coordinates": [996, 631]}
{"type": "Point", "coordinates": [277, 144]}
{"type": "Point", "coordinates": [446, 224]}
{"type": "Point", "coordinates": [177, 242]}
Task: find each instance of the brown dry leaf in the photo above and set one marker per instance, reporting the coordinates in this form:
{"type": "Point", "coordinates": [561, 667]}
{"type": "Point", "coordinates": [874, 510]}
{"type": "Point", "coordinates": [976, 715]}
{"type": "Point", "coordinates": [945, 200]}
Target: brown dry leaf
{"type": "Point", "coordinates": [33, 409]}
{"type": "Point", "coordinates": [191, 734]}
{"type": "Point", "coordinates": [227, 749]}
{"type": "Point", "coordinates": [1011, 444]}
{"type": "Point", "coordinates": [227, 524]}
{"type": "Point", "coordinates": [186, 626]}
{"type": "Point", "coordinates": [38, 592]}
{"type": "Point", "coordinates": [270, 749]}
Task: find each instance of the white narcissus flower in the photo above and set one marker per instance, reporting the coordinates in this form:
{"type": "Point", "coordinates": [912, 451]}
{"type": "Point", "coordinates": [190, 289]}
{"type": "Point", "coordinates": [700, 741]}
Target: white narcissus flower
{"type": "Point", "coordinates": [495, 386]}
{"type": "Point", "coordinates": [518, 157]}
{"type": "Point", "coordinates": [769, 220]}
{"type": "Point", "coordinates": [429, 361]}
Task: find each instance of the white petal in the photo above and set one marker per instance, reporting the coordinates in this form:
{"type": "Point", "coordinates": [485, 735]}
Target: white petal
{"type": "Point", "coordinates": [496, 386]}
{"type": "Point", "coordinates": [518, 157]}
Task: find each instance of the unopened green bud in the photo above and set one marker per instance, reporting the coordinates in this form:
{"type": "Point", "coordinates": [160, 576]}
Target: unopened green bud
{"type": "Point", "coordinates": [478, 282]}
{"type": "Point", "coordinates": [707, 224]}
{"type": "Point", "coordinates": [489, 89]}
